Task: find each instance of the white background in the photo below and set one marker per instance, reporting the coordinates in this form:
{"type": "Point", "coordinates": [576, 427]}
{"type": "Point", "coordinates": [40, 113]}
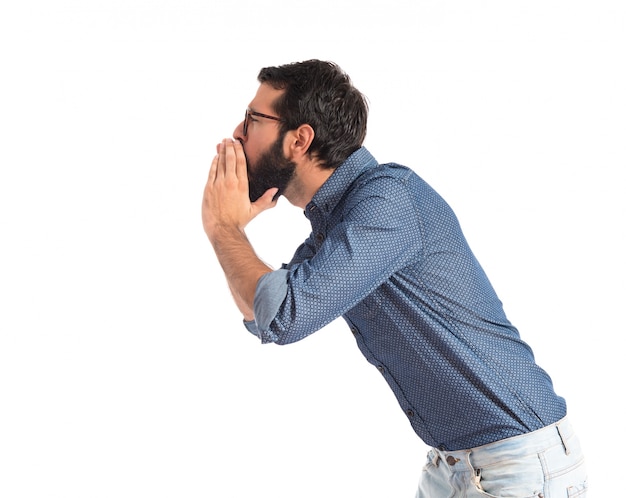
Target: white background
{"type": "Point", "coordinates": [124, 368]}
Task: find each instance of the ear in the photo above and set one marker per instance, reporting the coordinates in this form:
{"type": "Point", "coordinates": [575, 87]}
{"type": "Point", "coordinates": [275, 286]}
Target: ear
{"type": "Point", "coordinates": [298, 141]}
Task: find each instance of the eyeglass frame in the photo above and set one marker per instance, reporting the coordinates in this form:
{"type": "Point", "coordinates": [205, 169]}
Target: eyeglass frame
{"type": "Point", "coordinates": [250, 112]}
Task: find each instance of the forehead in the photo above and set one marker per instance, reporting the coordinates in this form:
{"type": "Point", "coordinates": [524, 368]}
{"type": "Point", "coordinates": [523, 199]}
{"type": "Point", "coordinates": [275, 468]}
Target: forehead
{"type": "Point", "coordinates": [264, 99]}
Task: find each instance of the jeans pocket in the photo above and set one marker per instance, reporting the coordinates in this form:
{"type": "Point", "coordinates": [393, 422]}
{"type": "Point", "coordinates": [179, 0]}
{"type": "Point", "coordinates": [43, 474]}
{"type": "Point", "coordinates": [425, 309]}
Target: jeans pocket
{"type": "Point", "coordinates": [577, 491]}
{"type": "Point", "coordinates": [520, 478]}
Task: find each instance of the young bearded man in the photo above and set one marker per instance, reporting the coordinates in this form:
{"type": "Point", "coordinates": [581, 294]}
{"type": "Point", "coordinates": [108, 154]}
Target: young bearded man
{"type": "Point", "coordinates": [387, 254]}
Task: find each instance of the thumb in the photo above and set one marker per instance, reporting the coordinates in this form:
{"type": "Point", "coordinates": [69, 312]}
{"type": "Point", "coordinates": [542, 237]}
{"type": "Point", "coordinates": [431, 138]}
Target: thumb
{"type": "Point", "coordinates": [266, 201]}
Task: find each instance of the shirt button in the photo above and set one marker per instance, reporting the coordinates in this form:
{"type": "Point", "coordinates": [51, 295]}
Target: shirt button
{"type": "Point", "coordinates": [354, 330]}
{"type": "Point", "coordinates": [319, 237]}
{"type": "Point", "coordinates": [381, 369]}
{"type": "Point", "coordinates": [410, 412]}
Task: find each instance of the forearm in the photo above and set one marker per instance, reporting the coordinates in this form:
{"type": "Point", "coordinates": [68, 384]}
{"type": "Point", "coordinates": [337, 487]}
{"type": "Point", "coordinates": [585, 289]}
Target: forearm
{"type": "Point", "coordinates": [226, 210]}
{"type": "Point", "coordinates": [241, 266]}
{"type": "Point", "coordinates": [246, 310]}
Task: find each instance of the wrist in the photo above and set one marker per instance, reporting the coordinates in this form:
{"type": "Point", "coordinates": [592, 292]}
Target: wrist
{"type": "Point", "coordinates": [223, 233]}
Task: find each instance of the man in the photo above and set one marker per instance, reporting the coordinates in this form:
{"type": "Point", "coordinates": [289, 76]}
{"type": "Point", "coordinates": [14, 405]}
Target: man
{"type": "Point", "coordinates": [387, 254]}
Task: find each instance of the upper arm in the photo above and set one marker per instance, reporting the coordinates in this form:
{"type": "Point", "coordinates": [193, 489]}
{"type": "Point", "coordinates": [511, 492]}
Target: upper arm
{"type": "Point", "coordinates": [376, 234]}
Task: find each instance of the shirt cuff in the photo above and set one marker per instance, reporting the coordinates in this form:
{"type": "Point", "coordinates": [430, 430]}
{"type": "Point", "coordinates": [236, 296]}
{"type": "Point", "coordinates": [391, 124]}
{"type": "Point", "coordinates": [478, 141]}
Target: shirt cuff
{"type": "Point", "coordinates": [251, 327]}
{"type": "Point", "coordinates": [270, 293]}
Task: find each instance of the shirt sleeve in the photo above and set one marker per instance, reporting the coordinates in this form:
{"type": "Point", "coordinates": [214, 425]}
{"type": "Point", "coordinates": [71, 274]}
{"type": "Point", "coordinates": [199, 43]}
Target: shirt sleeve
{"type": "Point", "coordinates": [375, 233]}
{"type": "Point", "coordinates": [269, 295]}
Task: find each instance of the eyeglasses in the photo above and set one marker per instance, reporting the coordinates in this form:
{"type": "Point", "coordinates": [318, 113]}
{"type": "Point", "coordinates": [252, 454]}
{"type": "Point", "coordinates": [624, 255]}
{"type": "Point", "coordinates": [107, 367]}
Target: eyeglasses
{"type": "Point", "coordinates": [260, 115]}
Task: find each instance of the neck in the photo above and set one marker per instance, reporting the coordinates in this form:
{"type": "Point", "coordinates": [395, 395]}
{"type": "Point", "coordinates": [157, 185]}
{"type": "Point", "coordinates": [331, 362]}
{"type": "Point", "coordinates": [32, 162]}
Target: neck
{"type": "Point", "coordinates": [307, 180]}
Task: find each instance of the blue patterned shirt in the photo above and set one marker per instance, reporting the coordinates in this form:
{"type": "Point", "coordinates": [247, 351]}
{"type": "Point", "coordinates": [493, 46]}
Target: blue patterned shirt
{"type": "Point", "coordinates": [387, 254]}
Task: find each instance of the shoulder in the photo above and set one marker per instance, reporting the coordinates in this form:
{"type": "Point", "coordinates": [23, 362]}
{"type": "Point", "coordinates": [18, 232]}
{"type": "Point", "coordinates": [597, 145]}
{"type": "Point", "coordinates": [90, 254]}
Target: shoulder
{"type": "Point", "coordinates": [389, 181]}
{"type": "Point", "coordinates": [385, 192]}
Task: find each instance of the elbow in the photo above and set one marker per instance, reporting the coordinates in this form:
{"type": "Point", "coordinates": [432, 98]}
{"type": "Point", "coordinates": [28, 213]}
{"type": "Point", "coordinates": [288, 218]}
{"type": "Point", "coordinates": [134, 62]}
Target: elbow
{"type": "Point", "coordinates": [283, 334]}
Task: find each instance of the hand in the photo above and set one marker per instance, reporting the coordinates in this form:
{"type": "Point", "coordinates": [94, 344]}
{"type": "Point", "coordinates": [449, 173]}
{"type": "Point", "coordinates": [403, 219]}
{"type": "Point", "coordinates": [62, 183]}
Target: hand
{"type": "Point", "coordinates": [226, 203]}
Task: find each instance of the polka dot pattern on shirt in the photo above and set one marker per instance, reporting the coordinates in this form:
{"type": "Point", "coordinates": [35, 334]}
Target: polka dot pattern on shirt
{"type": "Point", "coordinates": [386, 253]}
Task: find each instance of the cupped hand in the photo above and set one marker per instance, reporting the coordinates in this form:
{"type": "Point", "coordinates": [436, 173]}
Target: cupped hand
{"type": "Point", "coordinates": [226, 203]}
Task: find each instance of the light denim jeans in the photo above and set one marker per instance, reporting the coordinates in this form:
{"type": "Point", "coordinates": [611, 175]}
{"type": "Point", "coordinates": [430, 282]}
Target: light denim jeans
{"type": "Point", "coordinates": [547, 463]}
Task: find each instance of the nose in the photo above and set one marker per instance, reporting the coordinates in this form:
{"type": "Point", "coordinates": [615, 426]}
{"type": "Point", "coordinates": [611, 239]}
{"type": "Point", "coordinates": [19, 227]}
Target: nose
{"type": "Point", "coordinates": [238, 133]}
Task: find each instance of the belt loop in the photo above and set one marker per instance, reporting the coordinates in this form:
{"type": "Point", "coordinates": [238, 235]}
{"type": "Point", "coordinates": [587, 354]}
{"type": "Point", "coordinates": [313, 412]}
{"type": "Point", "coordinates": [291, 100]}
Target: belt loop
{"type": "Point", "coordinates": [562, 440]}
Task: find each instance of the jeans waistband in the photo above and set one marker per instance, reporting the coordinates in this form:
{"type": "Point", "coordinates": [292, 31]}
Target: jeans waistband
{"type": "Point", "coordinates": [513, 447]}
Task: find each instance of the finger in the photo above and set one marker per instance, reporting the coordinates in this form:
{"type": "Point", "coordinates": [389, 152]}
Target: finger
{"type": "Point", "coordinates": [241, 163]}
{"type": "Point", "coordinates": [213, 170]}
{"type": "Point", "coordinates": [266, 201]}
{"type": "Point", "coordinates": [221, 164]}
{"type": "Point", "coordinates": [208, 188]}
{"type": "Point", "coordinates": [229, 158]}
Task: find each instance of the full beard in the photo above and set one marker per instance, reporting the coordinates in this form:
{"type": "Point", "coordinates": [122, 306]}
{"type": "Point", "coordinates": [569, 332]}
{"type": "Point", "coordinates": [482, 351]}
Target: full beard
{"type": "Point", "coordinates": [272, 169]}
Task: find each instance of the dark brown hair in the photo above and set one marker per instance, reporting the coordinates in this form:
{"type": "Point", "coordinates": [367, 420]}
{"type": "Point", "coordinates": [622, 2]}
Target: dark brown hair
{"type": "Point", "coordinates": [320, 94]}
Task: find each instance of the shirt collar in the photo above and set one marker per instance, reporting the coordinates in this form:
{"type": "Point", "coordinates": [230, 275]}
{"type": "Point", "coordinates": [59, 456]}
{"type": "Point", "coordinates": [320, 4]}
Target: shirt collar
{"type": "Point", "coordinates": [333, 189]}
